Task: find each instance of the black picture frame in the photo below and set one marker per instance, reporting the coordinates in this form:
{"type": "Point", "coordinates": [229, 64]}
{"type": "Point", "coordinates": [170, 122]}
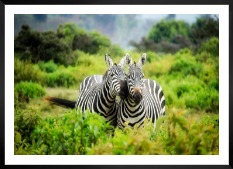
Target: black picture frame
{"type": "Point", "coordinates": [119, 2]}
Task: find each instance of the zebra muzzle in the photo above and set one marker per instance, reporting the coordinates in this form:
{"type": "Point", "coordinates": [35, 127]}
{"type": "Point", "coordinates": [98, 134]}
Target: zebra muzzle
{"type": "Point", "coordinates": [137, 97]}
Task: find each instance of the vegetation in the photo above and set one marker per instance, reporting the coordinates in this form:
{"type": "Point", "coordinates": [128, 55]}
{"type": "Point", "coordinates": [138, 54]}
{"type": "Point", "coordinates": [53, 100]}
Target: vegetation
{"type": "Point", "coordinates": [28, 90]}
{"type": "Point", "coordinates": [189, 77]}
{"type": "Point", "coordinates": [60, 46]}
{"type": "Point", "coordinates": [171, 36]}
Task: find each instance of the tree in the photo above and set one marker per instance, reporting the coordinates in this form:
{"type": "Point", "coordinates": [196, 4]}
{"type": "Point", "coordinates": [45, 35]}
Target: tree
{"type": "Point", "coordinates": [35, 46]}
{"type": "Point", "coordinates": [166, 36]}
{"type": "Point", "coordinates": [168, 30]}
{"type": "Point", "coordinates": [204, 28]}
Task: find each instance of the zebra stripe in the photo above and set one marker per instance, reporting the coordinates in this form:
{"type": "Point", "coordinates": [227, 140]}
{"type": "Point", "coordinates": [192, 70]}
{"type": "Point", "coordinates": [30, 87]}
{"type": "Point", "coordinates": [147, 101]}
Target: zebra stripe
{"type": "Point", "coordinates": [145, 98]}
{"type": "Point", "coordinates": [98, 93]}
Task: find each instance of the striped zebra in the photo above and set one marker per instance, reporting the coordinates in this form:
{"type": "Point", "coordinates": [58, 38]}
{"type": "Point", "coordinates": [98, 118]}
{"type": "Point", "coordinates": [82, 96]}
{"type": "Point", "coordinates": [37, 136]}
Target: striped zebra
{"type": "Point", "coordinates": [145, 98]}
{"type": "Point", "coordinates": [98, 93]}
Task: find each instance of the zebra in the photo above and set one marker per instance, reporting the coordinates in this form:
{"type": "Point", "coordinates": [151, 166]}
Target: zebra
{"type": "Point", "coordinates": [145, 99]}
{"type": "Point", "coordinates": [98, 93]}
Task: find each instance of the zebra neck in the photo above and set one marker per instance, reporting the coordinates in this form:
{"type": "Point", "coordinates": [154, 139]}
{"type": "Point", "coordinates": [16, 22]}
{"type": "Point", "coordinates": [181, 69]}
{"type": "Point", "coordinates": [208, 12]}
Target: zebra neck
{"type": "Point", "coordinates": [130, 102]}
{"type": "Point", "coordinates": [108, 96]}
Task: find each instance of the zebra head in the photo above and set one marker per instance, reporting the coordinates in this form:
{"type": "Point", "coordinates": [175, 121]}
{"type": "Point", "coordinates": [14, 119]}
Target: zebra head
{"type": "Point", "coordinates": [135, 78]}
{"type": "Point", "coordinates": [116, 76]}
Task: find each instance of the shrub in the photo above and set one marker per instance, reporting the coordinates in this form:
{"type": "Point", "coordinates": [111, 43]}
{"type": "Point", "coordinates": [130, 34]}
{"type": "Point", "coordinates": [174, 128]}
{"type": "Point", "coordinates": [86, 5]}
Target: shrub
{"type": "Point", "coordinates": [127, 142]}
{"type": "Point", "coordinates": [59, 78]}
{"type": "Point", "coordinates": [152, 57]}
{"type": "Point", "coordinates": [48, 67]}
{"type": "Point", "coordinates": [186, 65]}
{"type": "Point", "coordinates": [25, 122]}
{"type": "Point", "coordinates": [176, 133]}
{"type": "Point", "coordinates": [188, 136]}
{"type": "Point", "coordinates": [210, 46]}
{"type": "Point", "coordinates": [84, 59]}
{"type": "Point", "coordinates": [24, 91]}
{"type": "Point", "coordinates": [205, 99]}
{"type": "Point", "coordinates": [70, 133]}
{"type": "Point", "coordinates": [25, 71]}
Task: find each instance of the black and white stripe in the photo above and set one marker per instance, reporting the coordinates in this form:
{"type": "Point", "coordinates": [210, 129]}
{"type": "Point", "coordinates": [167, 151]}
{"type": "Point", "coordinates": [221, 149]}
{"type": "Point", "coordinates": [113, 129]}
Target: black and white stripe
{"type": "Point", "coordinates": [145, 98]}
{"type": "Point", "coordinates": [98, 93]}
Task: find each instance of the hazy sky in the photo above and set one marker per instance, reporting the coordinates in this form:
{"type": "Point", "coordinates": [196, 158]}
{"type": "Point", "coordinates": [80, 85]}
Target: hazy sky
{"type": "Point", "coordinates": [187, 17]}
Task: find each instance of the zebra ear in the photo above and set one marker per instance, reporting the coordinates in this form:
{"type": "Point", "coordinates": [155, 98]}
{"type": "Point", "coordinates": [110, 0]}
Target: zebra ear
{"type": "Point", "coordinates": [126, 60]}
{"type": "Point", "coordinates": [129, 60]}
{"type": "Point", "coordinates": [142, 60]}
{"type": "Point", "coordinates": [108, 61]}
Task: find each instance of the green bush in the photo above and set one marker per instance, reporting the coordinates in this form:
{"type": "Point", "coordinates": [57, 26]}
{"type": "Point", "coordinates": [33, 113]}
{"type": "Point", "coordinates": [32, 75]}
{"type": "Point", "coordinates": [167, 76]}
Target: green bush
{"type": "Point", "coordinates": [48, 67]}
{"type": "Point", "coordinates": [70, 133]}
{"type": "Point", "coordinates": [25, 122]}
{"type": "Point", "coordinates": [176, 133]}
{"type": "Point", "coordinates": [88, 133]}
{"type": "Point", "coordinates": [190, 92]}
{"type": "Point", "coordinates": [204, 99]}
{"type": "Point", "coordinates": [210, 46]}
{"type": "Point", "coordinates": [26, 71]}
{"type": "Point", "coordinates": [24, 91]}
{"type": "Point", "coordinates": [186, 66]}
{"type": "Point", "coordinates": [59, 78]}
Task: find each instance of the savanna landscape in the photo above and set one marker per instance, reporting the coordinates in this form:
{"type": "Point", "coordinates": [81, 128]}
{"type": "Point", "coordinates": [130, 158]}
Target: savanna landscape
{"type": "Point", "coordinates": [182, 57]}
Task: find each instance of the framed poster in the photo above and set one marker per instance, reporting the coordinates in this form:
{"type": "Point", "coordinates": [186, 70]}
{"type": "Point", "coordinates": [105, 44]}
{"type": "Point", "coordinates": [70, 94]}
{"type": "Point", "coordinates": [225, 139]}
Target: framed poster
{"type": "Point", "coordinates": [198, 89]}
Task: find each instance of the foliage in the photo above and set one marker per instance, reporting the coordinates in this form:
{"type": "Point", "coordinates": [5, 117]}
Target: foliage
{"type": "Point", "coordinates": [210, 46]}
{"type": "Point", "coordinates": [185, 65]}
{"type": "Point", "coordinates": [88, 133]}
{"type": "Point", "coordinates": [166, 36]}
{"type": "Point", "coordinates": [174, 135]}
{"type": "Point", "coordinates": [209, 24]}
{"type": "Point", "coordinates": [168, 30]}
{"type": "Point", "coordinates": [48, 67]}
{"type": "Point", "coordinates": [59, 78]}
{"type": "Point", "coordinates": [69, 133]}
{"type": "Point", "coordinates": [28, 90]}
{"type": "Point", "coordinates": [25, 121]}
{"type": "Point", "coordinates": [169, 36]}
{"type": "Point", "coordinates": [26, 71]}
{"type": "Point", "coordinates": [90, 43]}
{"type": "Point", "coordinates": [60, 46]}
{"type": "Point", "coordinates": [35, 46]}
